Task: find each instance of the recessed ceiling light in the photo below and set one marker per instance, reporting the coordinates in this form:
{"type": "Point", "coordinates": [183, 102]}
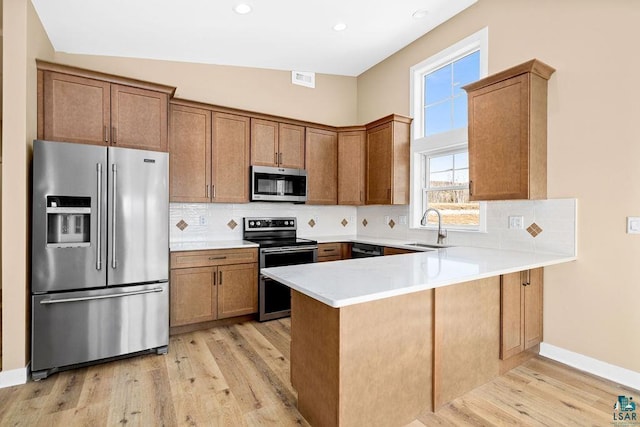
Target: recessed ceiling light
{"type": "Point", "coordinates": [340, 26]}
{"type": "Point", "coordinates": [242, 9]}
{"type": "Point", "coordinates": [420, 13]}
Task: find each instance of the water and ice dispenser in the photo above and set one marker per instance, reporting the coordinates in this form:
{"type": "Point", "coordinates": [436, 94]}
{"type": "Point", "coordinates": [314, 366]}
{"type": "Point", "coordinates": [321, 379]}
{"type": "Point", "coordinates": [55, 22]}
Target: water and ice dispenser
{"type": "Point", "coordinates": [68, 221]}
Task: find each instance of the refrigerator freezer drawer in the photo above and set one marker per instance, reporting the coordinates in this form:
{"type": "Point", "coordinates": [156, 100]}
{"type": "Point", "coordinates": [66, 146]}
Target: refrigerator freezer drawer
{"type": "Point", "coordinates": [78, 327]}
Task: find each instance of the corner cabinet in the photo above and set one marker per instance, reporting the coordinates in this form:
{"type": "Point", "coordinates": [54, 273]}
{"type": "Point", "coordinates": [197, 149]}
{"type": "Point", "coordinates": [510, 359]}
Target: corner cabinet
{"type": "Point", "coordinates": [321, 158]}
{"type": "Point", "coordinates": [213, 284]}
{"type": "Point", "coordinates": [387, 161]}
{"type": "Point", "coordinates": [209, 154]}
{"type": "Point", "coordinates": [520, 311]}
{"type": "Point", "coordinates": [508, 133]}
{"type": "Point", "coordinates": [81, 106]}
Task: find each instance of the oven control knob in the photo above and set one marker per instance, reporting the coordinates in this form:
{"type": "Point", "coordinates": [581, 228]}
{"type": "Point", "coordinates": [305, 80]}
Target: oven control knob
{"type": "Point", "coordinates": [251, 223]}
{"type": "Point", "coordinates": [258, 223]}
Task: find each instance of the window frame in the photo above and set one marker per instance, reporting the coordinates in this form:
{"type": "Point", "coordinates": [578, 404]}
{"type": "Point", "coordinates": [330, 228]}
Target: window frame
{"type": "Point", "coordinates": [454, 140]}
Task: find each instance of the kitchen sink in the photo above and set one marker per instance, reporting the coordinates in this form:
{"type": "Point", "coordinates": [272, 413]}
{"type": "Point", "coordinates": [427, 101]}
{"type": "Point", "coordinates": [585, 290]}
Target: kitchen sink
{"type": "Point", "coordinates": [427, 245]}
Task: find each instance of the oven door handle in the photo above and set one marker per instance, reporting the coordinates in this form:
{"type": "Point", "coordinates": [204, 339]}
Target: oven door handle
{"type": "Point", "coordinates": [288, 249]}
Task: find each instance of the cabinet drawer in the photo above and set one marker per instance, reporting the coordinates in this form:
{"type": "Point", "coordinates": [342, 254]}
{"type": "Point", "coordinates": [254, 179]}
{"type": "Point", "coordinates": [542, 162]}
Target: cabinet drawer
{"type": "Point", "coordinates": [330, 249]}
{"type": "Point", "coordinates": [329, 258]}
{"type": "Point", "coordinates": [213, 257]}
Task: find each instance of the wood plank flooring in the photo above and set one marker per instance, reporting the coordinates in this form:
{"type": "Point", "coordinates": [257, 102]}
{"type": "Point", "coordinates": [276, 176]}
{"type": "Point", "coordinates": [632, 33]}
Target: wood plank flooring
{"type": "Point", "coordinates": [238, 375]}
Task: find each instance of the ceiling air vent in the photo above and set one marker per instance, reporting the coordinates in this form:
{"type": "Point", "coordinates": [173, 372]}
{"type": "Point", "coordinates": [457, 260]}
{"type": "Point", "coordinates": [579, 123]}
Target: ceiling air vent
{"type": "Point", "coordinates": [303, 78]}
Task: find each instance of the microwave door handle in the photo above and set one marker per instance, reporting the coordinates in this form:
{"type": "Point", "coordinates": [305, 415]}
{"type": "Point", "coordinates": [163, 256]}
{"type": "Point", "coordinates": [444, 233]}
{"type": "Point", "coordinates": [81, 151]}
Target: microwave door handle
{"type": "Point", "coordinates": [114, 263]}
{"type": "Point", "coordinates": [99, 218]}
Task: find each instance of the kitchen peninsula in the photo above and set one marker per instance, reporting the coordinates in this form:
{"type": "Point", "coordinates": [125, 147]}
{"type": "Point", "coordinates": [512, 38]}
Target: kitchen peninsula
{"type": "Point", "coordinates": [375, 341]}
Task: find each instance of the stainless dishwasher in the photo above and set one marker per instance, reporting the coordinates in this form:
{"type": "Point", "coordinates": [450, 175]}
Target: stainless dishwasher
{"type": "Point", "coordinates": [364, 250]}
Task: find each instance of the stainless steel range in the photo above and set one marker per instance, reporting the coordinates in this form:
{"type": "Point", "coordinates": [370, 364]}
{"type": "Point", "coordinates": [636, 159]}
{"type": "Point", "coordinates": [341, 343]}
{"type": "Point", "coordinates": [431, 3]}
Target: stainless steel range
{"type": "Point", "coordinates": [279, 246]}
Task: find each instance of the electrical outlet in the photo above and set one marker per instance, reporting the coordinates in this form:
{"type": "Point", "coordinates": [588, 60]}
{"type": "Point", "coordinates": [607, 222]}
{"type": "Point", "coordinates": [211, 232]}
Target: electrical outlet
{"type": "Point", "coordinates": [516, 221]}
{"type": "Point", "coordinates": [402, 219]}
{"type": "Point", "coordinates": [316, 219]}
{"type": "Point", "coordinates": [202, 220]}
{"type": "Point", "coordinates": [386, 219]}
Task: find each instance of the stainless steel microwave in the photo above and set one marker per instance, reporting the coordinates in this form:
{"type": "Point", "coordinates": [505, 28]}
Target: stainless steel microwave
{"type": "Point", "coordinates": [270, 184]}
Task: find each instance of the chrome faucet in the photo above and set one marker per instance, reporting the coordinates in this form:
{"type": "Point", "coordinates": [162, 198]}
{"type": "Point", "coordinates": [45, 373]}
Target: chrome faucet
{"type": "Point", "coordinates": [442, 234]}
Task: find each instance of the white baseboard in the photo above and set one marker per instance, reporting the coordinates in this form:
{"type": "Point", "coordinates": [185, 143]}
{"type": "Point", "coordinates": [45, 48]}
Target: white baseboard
{"type": "Point", "coordinates": [614, 373]}
{"type": "Point", "coordinates": [13, 377]}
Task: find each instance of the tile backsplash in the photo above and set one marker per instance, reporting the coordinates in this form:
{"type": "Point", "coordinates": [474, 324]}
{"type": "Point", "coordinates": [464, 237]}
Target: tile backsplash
{"type": "Point", "coordinates": [555, 219]}
{"type": "Point", "coordinates": [551, 223]}
{"type": "Point", "coordinates": [221, 221]}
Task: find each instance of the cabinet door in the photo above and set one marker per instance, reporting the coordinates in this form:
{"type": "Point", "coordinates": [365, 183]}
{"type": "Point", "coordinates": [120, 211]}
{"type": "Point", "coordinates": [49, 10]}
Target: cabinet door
{"type": "Point", "coordinates": [498, 140]}
{"type": "Point", "coordinates": [264, 143]}
{"type": "Point", "coordinates": [237, 290]}
{"type": "Point", "coordinates": [76, 109]}
{"type": "Point", "coordinates": [138, 118]}
{"type": "Point", "coordinates": [511, 313]}
{"type": "Point", "coordinates": [321, 159]}
{"type": "Point", "coordinates": [351, 167]}
{"type": "Point", "coordinates": [189, 154]}
{"type": "Point", "coordinates": [533, 308]}
{"type": "Point", "coordinates": [230, 158]}
{"type": "Point", "coordinates": [291, 143]}
{"type": "Point", "coordinates": [379, 162]}
{"type": "Point", "coordinates": [193, 295]}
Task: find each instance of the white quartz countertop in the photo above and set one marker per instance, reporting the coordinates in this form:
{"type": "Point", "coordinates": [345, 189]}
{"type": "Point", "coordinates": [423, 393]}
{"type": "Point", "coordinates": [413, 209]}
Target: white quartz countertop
{"type": "Point", "coordinates": [211, 244]}
{"type": "Point", "coordinates": [348, 282]}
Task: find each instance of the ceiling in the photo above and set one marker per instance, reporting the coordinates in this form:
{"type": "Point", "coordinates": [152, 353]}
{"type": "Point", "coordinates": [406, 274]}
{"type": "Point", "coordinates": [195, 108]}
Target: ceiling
{"type": "Point", "coordinates": [276, 34]}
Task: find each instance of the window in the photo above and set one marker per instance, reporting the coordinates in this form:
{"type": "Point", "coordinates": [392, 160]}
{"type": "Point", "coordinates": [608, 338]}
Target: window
{"type": "Point", "coordinates": [445, 103]}
{"type": "Point", "coordinates": [446, 188]}
{"type": "Point", "coordinates": [440, 159]}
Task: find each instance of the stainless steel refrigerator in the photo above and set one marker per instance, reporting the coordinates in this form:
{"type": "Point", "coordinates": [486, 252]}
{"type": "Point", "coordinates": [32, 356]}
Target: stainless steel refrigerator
{"type": "Point", "coordinates": [100, 254]}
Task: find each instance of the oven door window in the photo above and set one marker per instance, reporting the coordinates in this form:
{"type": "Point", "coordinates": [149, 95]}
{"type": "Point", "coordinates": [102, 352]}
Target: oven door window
{"type": "Point", "coordinates": [280, 259]}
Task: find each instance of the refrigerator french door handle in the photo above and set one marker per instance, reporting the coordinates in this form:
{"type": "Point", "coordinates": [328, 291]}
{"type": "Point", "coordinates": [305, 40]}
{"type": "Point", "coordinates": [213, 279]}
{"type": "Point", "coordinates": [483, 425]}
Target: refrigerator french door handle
{"type": "Point", "coordinates": [124, 294]}
{"type": "Point", "coordinates": [114, 262]}
{"type": "Point", "coordinates": [99, 218]}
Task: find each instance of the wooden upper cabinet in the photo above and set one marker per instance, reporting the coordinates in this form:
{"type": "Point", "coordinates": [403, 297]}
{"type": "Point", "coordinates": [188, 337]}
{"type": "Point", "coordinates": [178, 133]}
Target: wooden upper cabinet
{"type": "Point", "coordinates": [351, 167]}
{"type": "Point", "coordinates": [209, 155]}
{"type": "Point", "coordinates": [75, 109]}
{"type": "Point", "coordinates": [138, 118]}
{"type": "Point", "coordinates": [230, 158]}
{"type": "Point", "coordinates": [77, 105]}
{"type": "Point", "coordinates": [190, 158]}
{"type": "Point", "coordinates": [277, 144]}
{"type": "Point", "coordinates": [387, 161]}
{"type": "Point", "coordinates": [521, 311]}
{"type": "Point", "coordinates": [321, 159]}
{"type": "Point", "coordinates": [508, 133]}
{"type": "Point", "coordinates": [291, 146]}
{"type": "Point", "coordinates": [264, 143]}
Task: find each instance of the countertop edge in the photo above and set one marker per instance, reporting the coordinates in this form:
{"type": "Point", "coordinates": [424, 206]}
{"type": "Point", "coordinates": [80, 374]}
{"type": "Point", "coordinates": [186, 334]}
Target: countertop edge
{"type": "Point", "coordinates": [344, 302]}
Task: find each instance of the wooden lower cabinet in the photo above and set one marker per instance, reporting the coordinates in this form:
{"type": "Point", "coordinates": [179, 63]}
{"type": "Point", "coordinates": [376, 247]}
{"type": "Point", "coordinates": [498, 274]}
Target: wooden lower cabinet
{"type": "Point", "coordinates": [213, 284]}
{"type": "Point", "coordinates": [397, 251]}
{"type": "Point", "coordinates": [194, 295]}
{"type": "Point", "coordinates": [329, 252]}
{"type": "Point", "coordinates": [237, 290]}
{"type": "Point", "coordinates": [520, 311]}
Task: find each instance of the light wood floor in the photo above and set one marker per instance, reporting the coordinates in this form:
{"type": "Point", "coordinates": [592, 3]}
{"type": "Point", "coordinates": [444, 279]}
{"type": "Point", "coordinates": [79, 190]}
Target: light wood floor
{"type": "Point", "coordinates": [239, 375]}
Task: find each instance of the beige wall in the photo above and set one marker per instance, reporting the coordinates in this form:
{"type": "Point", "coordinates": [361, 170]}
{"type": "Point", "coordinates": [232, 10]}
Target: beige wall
{"type": "Point", "coordinates": [592, 305]}
{"type": "Point", "coordinates": [24, 39]}
{"type": "Point", "coordinates": [332, 102]}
